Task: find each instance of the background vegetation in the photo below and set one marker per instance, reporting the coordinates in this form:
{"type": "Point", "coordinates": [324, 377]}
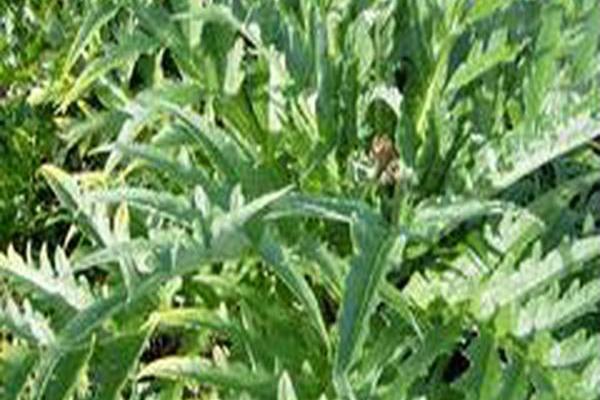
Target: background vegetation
{"type": "Point", "coordinates": [384, 199]}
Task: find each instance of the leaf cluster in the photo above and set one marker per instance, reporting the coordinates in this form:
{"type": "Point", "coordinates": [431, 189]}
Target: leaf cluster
{"type": "Point", "coordinates": [234, 238]}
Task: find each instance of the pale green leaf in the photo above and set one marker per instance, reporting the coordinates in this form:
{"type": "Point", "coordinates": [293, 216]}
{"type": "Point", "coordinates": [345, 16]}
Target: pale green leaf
{"type": "Point", "coordinates": [196, 369]}
{"type": "Point", "coordinates": [285, 390]}
{"type": "Point", "coordinates": [57, 283]}
{"type": "Point", "coordinates": [506, 287]}
{"type": "Point", "coordinates": [26, 323]}
{"type": "Point", "coordinates": [234, 74]}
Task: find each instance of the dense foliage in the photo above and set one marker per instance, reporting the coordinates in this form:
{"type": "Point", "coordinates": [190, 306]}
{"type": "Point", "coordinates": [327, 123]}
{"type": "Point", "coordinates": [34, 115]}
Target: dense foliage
{"type": "Point", "coordinates": [33, 36]}
{"type": "Point", "coordinates": [268, 199]}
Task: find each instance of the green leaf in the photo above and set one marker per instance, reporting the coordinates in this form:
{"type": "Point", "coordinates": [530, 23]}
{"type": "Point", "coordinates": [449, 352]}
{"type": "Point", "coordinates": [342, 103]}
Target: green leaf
{"type": "Point", "coordinates": [368, 269]}
{"type": "Point", "coordinates": [564, 139]}
{"type": "Point", "coordinates": [63, 185]}
{"type": "Point", "coordinates": [127, 51]}
{"type": "Point", "coordinates": [173, 258]}
{"type": "Point", "coordinates": [227, 230]}
{"type": "Point", "coordinates": [65, 372]}
{"type": "Point", "coordinates": [434, 220]}
{"type": "Point", "coordinates": [196, 369]}
{"type": "Point", "coordinates": [114, 361]}
{"type": "Point", "coordinates": [194, 318]}
{"type": "Point", "coordinates": [192, 30]}
{"type": "Point", "coordinates": [95, 19]}
{"type": "Point", "coordinates": [281, 263]}
{"type": "Point", "coordinates": [103, 123]}
{"type": "Point", "coordinates": [434, 85]}
{"type": "Point", "coordinates": [333, 269]}
{"type": "Point", "coordinates": [439, 341]}
{"type": "Point", "coordinates": [215, 13]}
{"type": "Point", "coordinates": [328, 208]}
{"type": "Point", "coordinates": [516, 385]}
{"type": "Point", "coordinates": [66, 188]}
{"type": "Point", "coordinates": [139, 117]}
{"type": "Point", "coordinates": [223, 151]}
{"type": "Point", "coordinates": [590, 384]}
{"type": "Point", "coordinates": [113, 254]}
{"type": "Point", "coordinates": [526, 226]}
{"type": "Point", "coordinates": [16, 364]}
{"type": "Point", "coordinates": [483, 379]}
{"type": "Point", "coordinates": [184, 174]}
{"type": "Point", "coordinates": [155, 20]}
{"type": "Point", "coordinates": [543, 74]}
{"type": "Point", "coordinates": [484, 8]}
{"type": "Point", "coordinates": [479, 61]}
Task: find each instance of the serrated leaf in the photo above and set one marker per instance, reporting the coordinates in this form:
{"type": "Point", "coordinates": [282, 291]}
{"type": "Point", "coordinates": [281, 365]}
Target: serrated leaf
{"type": "Point", "coordinates": [223, 152]}
{"type": "Point", "coordinates": [157, 21]}
{"type": "Point", "coordinates": [573, 350]}
{"type": "Point", "coordinates": [480, 62]}
{"type": "Point", "coordinates": [506, 287]}
{"type": "Point", "coordinates": [542, 76]}
{"type": "Point", "coordinates": [95, 19]}
{"type": "Point", "coordinates": [215, 13]}
{"type": "Point", "coordinates": [139, 117]}
{"type": "Point", "coordinates": [327, 208]}
{"type": "Point", "coordinates": [50, 282]}
{"type": "Point", "coordinates": [187, 258]}
{"type": "Point", "coordinates": [67, 189]}
{"type": "Point", "coordinates": [160, 203]}
{"type": "Point", "coordinates": [192, 30]}
{"type": "Point", "coordinates": [127, 51]}
{"type": "Point", "coordinates": [538, 152]}
{"type": "Point", "coordinates": [516, 385]}
{"type": "Point", "coordinates": [155, 158]}
{"type": "Point", "coordinates": [26, 323]}
{"type": "Point", "coordinates": [63, 185]}
{"type": "Point", "coordinates": [94, 220]}
{"type": "Point", "coordinates": [553, 310]}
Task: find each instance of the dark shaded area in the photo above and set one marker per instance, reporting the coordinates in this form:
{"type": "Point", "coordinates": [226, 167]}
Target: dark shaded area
{"type": "Point", "coordinates": [162, 345]}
